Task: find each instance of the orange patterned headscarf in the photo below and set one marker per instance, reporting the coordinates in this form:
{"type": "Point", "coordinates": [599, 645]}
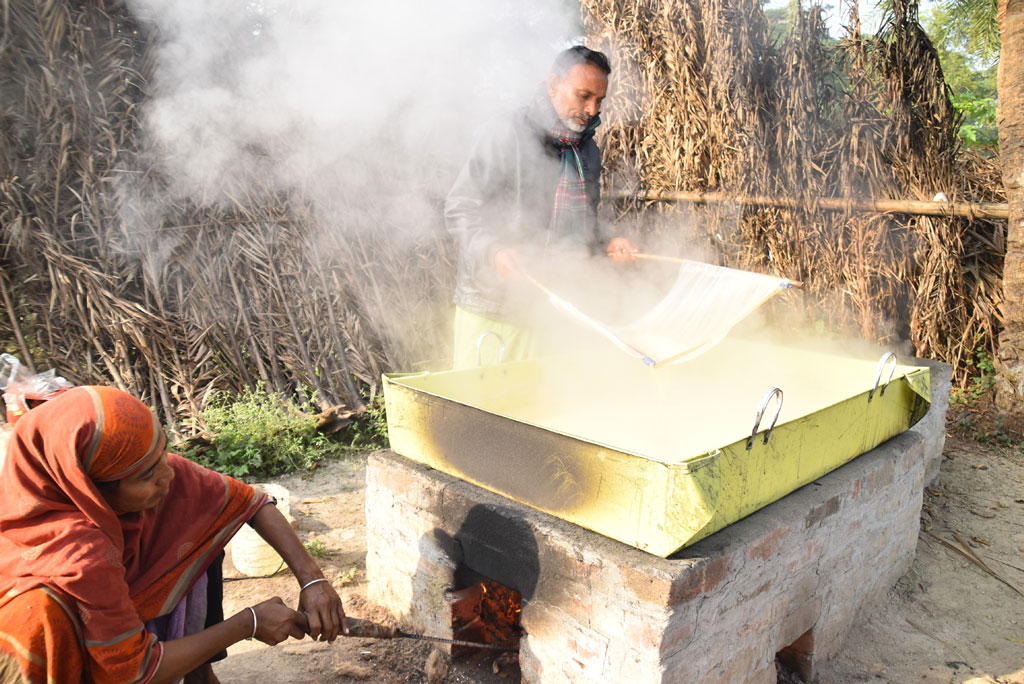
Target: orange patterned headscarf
{"type": "Point", "coordinates": [115, 572]}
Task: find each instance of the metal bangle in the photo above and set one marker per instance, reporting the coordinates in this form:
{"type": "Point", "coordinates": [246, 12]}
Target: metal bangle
{"type": "Point", "coordinates": [255, 623]}
{"type": "Point", "coordinates": [309, 584]}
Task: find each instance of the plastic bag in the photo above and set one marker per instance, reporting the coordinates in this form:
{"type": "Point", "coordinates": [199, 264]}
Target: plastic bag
{"type": "Point", "coordinates": [22, 390]}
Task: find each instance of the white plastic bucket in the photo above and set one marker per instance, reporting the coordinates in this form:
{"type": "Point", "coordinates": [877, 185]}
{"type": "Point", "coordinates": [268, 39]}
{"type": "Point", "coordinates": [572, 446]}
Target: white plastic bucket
{"type": "Point", "coordinates": [250, 554]}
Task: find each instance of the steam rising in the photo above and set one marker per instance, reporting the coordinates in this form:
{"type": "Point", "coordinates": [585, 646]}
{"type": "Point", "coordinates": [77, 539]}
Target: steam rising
{"type": "Point", "coordinates": [359, 114]}
{"type": "Point", "coordinates": [365, 111]}
{"type": "Point", "coordinates": [323, 95]}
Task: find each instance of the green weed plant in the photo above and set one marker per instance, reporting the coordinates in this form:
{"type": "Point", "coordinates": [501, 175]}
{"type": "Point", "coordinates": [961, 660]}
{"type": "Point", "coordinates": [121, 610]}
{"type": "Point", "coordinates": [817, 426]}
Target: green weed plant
{"type": "Point", "coordinates": [983, 380]}
{"type": "Point", "coordinates": [317, 549]}
{"type": "Point", "coordinates": [258, 434]}
{"type": "Point", "coordinates": [976, 404]}
{"type": "Point", "coordinates": [369, 429]}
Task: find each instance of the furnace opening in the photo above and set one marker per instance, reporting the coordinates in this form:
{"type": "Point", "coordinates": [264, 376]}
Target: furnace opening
{"type": "Point", "coordinates": [794, 662]}
{"type": "Point", "coordinates": [485, 611]}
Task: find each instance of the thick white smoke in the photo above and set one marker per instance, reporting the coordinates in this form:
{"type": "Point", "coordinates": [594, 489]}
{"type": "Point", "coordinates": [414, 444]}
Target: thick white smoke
{"type": "Point", "coordinates": [357, 114]}
{"type": "Point", "coordinates": [319, 93]}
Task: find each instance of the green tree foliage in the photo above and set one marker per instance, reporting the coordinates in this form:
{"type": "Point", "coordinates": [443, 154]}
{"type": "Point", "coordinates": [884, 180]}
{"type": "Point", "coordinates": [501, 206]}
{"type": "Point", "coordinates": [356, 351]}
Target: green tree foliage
{"type": "Point", "coordinates": [969, 27]}
{"type": "Point", "coordinates": [966, 36]}
{"type": "Point", "coordinates": [968, 59]}
{"type": "Point", "coordinates": [778, 22]}
{"type": "Point", "coordinates": [781, 20]}
{"type": "Point", "coordinates": [979, 128]}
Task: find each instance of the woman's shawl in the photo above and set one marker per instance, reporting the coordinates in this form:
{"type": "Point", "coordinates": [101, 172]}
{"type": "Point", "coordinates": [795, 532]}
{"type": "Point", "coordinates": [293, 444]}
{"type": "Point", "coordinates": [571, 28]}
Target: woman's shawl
{"type": "Point", "coordinates": [114, 572]}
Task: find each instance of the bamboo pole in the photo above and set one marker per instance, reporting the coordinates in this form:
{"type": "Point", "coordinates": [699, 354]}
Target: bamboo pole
{"type": "Point", "coordinates": [980, 210]}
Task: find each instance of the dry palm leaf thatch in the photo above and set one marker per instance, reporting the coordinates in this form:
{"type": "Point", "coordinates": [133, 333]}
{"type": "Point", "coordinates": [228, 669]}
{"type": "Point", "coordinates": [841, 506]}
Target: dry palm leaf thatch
{"type": "Point", "coordinates": [728, 110]}
{"type": "Point", "coordinates": [111, 277]}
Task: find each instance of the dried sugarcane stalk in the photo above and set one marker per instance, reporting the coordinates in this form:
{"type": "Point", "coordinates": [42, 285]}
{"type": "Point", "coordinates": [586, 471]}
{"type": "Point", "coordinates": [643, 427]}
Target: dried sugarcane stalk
{"type": "Point", "coordinates": [351, 395]}
{"type": "Point", "coordinates": [249, 337]}
{"type": "Point", "coordinates": [703, 98]}
{"type": "Point", "coordinates": [26, 357]}
{"type": "Point", "coordinates": [268, 338]}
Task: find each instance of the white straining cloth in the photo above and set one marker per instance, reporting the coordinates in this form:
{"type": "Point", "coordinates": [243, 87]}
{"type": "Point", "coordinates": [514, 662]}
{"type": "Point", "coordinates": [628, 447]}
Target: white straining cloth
{"type": "Point", "coordinates": [704, 304]}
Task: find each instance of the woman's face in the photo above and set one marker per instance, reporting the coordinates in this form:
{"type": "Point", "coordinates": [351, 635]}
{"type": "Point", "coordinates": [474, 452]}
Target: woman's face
{"type": "Point", "coordinates": [144, 489]}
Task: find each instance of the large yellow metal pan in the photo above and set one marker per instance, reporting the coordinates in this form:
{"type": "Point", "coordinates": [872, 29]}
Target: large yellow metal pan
{"type": "Point", "coordinates": [655, 458]}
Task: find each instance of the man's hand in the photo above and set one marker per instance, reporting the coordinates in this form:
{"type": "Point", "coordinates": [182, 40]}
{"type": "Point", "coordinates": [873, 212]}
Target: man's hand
{"type": "Point", "coordinates": [621, 250]}
{"type": "Point", "coordinates": [507, 262]}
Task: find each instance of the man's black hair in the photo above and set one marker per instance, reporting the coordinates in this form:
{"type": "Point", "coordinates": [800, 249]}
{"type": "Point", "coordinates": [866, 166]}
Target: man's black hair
{"type": "Point", "coordinates": [580, 54]}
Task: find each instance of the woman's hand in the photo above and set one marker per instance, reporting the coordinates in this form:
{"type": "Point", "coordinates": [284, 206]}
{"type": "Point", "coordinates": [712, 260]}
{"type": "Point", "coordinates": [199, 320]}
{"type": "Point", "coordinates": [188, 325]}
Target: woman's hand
{"type": "Point", "coordinates": [322, 606]}
{"type": "Point", "coordinates": [318, 601]}
{"type": "Point", "coordinates": [275, 622]}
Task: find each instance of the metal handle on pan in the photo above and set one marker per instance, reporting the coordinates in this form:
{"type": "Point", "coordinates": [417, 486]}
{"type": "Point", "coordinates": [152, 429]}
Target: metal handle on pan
{"type": "Point", "coordinates": [480, 342]}
{"type": "Point", "coordinates": [886, 358]}
{"type": "Point", "coordinates": [773, 392]}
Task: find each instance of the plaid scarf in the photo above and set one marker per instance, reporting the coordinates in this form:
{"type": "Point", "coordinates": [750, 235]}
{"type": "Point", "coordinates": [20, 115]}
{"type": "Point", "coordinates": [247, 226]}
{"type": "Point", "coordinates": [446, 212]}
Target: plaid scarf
{"type": "Point", "coordinates": [569, 213]}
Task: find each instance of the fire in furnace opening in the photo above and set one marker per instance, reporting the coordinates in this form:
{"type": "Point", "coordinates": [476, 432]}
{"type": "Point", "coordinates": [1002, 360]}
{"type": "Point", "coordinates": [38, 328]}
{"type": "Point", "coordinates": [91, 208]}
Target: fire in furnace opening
{"type": "Point", "coordinates": [485, 611]}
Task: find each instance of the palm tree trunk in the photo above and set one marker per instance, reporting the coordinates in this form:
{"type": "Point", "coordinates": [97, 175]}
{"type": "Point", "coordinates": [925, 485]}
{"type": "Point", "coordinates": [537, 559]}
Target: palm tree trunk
{"type": "Point", "coordinates": [1010, 381]}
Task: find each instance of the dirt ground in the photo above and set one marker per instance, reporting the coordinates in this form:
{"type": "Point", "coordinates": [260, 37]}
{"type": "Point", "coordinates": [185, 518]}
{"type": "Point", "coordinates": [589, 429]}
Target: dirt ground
{"type": "Point", "coordinates": [947, 620]}
{"type": "Point", "coordinates": [957, 616]}
{"type": "Point", "coordinates": [327, 506]}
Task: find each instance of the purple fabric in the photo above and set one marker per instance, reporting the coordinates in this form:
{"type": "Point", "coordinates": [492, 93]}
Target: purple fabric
{"type": "Point", "coordinates": [188, 617]}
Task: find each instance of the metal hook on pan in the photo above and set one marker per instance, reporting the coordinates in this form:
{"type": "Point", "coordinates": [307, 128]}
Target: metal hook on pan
{"type": "Point", "coordinates": [886, 358]}
{"type": "Point", "coordinates": [480, 342]}
{"type": "Point", "coordinates": [772, 392]}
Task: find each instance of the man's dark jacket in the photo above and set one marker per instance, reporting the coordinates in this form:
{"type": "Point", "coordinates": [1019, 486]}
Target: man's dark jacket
{"type": "Point", "coordinates": [503, 198]}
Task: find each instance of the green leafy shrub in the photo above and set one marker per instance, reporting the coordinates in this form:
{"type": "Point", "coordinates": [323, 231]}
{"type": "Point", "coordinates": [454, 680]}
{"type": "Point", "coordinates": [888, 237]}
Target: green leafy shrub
{"type": "Point", "coordinates": [369, 429]}
{"type": "Point", "coordinates": [983, 379]}
{"type": "Point", "coordinates": [257, 434]}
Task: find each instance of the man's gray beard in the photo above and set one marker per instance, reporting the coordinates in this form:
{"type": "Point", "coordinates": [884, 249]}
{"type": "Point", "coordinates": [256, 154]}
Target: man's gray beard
{"type": "Point", "coordinates": [574, 125]}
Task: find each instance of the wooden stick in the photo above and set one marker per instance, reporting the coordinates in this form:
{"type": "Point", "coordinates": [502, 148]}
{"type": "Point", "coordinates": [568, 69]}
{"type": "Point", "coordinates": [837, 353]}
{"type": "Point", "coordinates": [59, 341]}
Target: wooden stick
{"type": "Point", "coordinates": [677, 260]}
{"type": "Point", "coordinates": [980, 210]}
{"type": "Point", "coordinates": [922, 630]}
{"type": "Point", "coordinates": [13, 316]}
{"type": "Point", "coordinates": [967, 553]}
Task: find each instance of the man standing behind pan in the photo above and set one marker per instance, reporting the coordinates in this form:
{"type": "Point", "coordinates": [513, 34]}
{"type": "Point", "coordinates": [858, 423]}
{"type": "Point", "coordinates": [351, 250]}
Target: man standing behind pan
{"type": "Point", "coordinates": [530, 187]}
